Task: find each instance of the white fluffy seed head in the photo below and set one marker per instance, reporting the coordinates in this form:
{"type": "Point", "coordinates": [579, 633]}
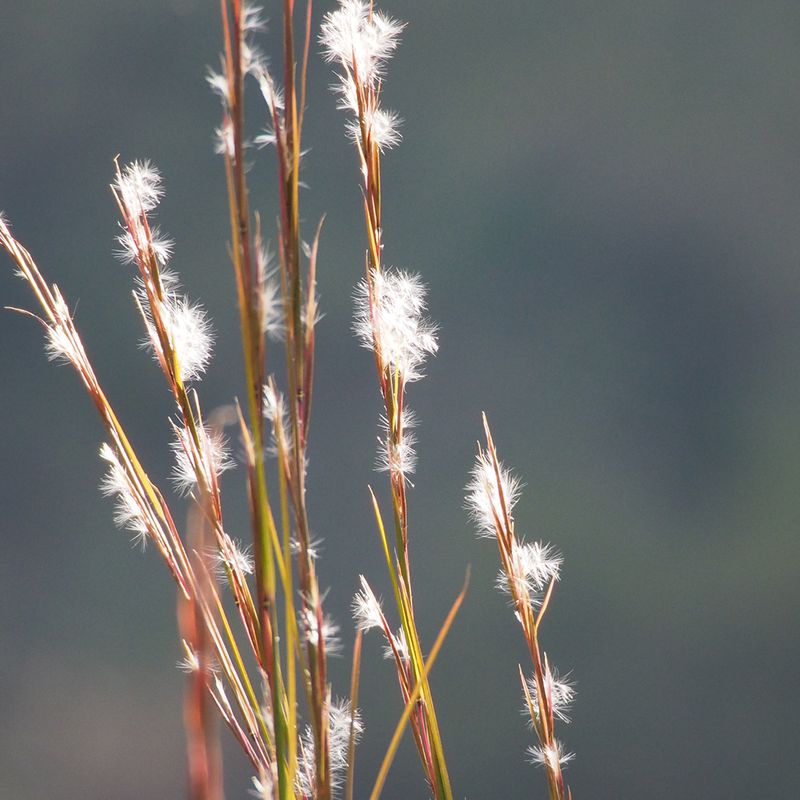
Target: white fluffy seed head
{"type": "Point", "coordinates": [532, 566]}
{"type": "Point", "coordinates": [190, 334]}
{"type": "Point", "coordinates": [487, 496]}
{"type": "Point", "coordinates": [366, 608]}
{"type": "Point", "coordinates": [274, 410]}
{"type": "Point", "coordinates": [272, 309]}
{"type": "Point", "coordinates": [559, 690]}
{"type": "Point", "coordinates": [397, 457]}
{"type": "Point", "coordinates": [552, 757]}
{"type": "Point", "coordinates": [61, 344]}
{"type": "Point", "coordinates": [58, 346]}
{"type": "Point", "coordinates": [330, 632]}
{"type": "Point", "coordinates": [383, 127]}
{"type": "Point", "coordinates": [342, 718]}
{"type": "Point", "coordinates": [223, 140]}
{"type": "Point", "coordinates": [390, 317]}
{"type": "Point", "coordinates": [128, 513]}
{"type": "Point", "coordinates": [219, 85]}
{"type": "Point", "coordinates": [139, 187]}
{"type": "Point", "coordinates": [398, 645]}
{"type": "Point", "coordinates": [210, 460]}
{"type": "Point", "coordinates": [128, 251]}
{"type": "Point", "coordinates": [359, 40]}
{"type": "Point", "coordinates": [234, 556]}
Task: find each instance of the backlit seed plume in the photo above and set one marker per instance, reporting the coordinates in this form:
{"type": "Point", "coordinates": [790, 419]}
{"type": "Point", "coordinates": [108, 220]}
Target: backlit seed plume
{"type": "Point", "coordinates": [274, 409]}
{"type": "Point", "coordinates": [398, 458]}
{"type": "Point", "coordinates": [486, 495]}
{"type": "Point", "coordinates": [330, 632]}
{"type": "Point", "coordinates": [271, 307]}
{"type": "Point", "coordinates": [209, 461]}
{"type": "Point", "coordinates": [560, 692]}
{"type": "Point", "coordinates": [313, 549]}
{"type": "Point", "coordinates": [62, 344]}
{"type": "Point", "coordinates": [396, 454]}
{"type": "Point", "coordinates": [359, 39]}
{"type": "Point", "coordinates": [366, 608]}
{"type": "Point", "coordinates": [234, 556]}
{"type": "Point", "coordinates": [383, 126]}
{"type": "Point", "coordinates": [396, 647]}
{"type": "Point", "coordinates": [390, 319]}
{"type": "Point", "coordinates": [129, 513]}
{"type": "Point", "coordinates": [532, 566]}
{"type": "Point", "coordinates": [189, 331]}
{"type": "Point", "coordinates": [341, 717]}
{"type": "Point", "coordinates": [128, 252]}
{"type": "Point", "coordinates": [139, 187]}
{"type": "Point", "coordinates": [190, 663]}
{"type": "Point", "coordinates": [550, 756]}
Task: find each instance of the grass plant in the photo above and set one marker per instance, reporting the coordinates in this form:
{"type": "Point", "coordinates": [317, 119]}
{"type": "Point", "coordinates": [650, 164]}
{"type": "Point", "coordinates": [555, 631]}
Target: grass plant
{"type": "Point", "coordinates": [260, 665]}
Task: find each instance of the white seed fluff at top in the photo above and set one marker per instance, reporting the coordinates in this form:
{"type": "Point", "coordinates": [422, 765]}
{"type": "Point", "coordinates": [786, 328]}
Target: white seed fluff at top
{"type": "Point", "coordinates": [139, 187]}
{"type": "Point", "coordinates": [359, 39]}
{"type": "Point", "coordinates": [486, 496]}
{"type": "Point", "coordinates": [390, 319]}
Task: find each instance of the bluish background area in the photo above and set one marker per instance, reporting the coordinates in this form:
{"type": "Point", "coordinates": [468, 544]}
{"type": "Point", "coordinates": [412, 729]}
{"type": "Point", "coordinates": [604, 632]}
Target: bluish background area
{"type": "Point", "coordinates": [604, 199]}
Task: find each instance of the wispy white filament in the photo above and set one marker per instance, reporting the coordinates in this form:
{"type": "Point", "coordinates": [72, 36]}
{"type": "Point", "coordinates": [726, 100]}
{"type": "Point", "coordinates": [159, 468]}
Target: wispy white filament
{"type": "Point", "coordinates": [560, 691]}
{"type": "Point", "coordinates": [234, 556]}
{"type": "Point", "coordinates": [383, 128]}
{"type": "Point", "coordinates": [532, 566]}
{"type": "Point", "coordinates": [139, 187]}
{"type": "Point", "coordinates": [397, 646]}
{"type": "Point", "coordinates": [550, 756]}
{"type": "Point", "coordinates": [390, 318]}
{"type": "Point", "coordinates": [209, 461]}
{"type": "Point", "coordinates": [128, 513]}
{"type": "Point", "coordinates": [366, 608]}
{"type": "Point", "coordinates": [128, 252]}
{"type": "Point", "coordinates": [271, 300]}
{"type": "Point", "coordinates": [396, 455]}
{"type": "Point", "coordinates": [189, 332]}
{"type": "Point", "coordinates": [487, 495]}
{"type": "Point", "coordinates": [341, 717]}
{"type": "Point", "coordinates": [330, 632]}
{"type": "Point", "coordinates": [359, 39]}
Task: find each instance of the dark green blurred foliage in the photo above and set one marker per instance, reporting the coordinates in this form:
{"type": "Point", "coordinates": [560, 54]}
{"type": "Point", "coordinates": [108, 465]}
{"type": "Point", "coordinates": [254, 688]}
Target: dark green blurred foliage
{"type": "Point", "coordinates": [604, 199]}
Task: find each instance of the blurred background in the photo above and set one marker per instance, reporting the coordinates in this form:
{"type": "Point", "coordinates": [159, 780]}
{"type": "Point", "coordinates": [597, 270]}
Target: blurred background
{"type": "Point", "coordinates": [604, 200]}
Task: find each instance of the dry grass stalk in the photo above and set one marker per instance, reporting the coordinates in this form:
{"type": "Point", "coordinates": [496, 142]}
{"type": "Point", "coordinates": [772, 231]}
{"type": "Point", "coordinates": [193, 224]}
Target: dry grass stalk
{"type": "Point", "coordinates": [529, 572]}
{"type": "Point", "coordinates": [390, 321]}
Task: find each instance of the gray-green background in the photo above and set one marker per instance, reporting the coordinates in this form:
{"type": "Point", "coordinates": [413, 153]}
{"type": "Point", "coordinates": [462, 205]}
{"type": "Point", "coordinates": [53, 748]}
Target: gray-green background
{"type": "Point", "coordinates": [604, 199]}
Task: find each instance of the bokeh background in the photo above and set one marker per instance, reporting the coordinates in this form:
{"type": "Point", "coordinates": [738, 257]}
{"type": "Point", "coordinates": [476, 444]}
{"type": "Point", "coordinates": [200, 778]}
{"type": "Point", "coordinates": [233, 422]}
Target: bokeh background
{"type": "Point", "coordinates": [604, 199]}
